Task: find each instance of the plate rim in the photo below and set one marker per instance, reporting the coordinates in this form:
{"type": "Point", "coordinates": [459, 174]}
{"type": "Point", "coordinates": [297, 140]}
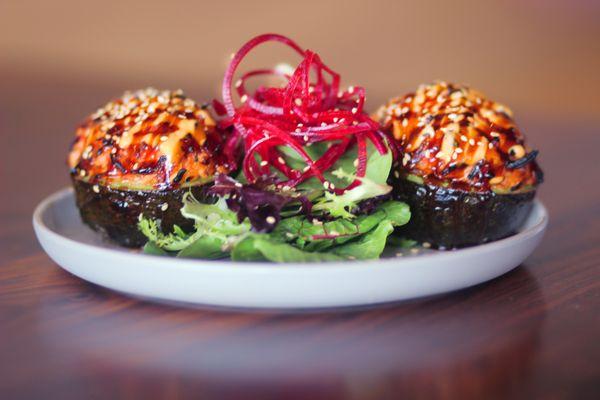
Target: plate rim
{"type": "Point", "coordinates": [278, 268]}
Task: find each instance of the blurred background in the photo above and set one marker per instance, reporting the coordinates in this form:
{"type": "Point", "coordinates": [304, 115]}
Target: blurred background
{"type": "Point", "coordinates": [538, 56]}
{"type": "Point", "coordinates": [60, 60]}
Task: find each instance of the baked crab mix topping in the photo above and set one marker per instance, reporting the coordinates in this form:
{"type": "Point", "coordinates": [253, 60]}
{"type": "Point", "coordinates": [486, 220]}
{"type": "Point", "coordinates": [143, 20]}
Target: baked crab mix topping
{"type": "Point", "coordinates": [452, 135]}
{"type": "Point", "coordinates": [148, 139]}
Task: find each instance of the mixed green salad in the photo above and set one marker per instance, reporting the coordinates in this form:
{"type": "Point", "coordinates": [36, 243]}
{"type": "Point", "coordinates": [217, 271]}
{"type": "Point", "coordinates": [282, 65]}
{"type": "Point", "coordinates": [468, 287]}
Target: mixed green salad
{"type": "Point", "coordinates": [264, 221]}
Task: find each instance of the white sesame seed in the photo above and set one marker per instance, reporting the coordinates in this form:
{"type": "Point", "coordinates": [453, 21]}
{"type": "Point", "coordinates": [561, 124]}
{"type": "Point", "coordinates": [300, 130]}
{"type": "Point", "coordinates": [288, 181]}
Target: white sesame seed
{"type": "Point", "coordinates": [463, 138]}
{"type": "Point", "coordinates": [244, 98]}
{"type": "Point", "coordinates": [472, 142]}
{"type": "Point", "coordinates": [238, 83]}
{"type": "Point", "coordinates": [271, 220]}
{"type": "Point", "coordinates": [96, 188]}
{"type": "Point", "coordinates": [163, 138]}
{"type": "Point", "coordinates": [82, 172]}
{"type": "Point", "coordinates": [280, 160]}
{"type": "Point", "coordinates": [355, 163]}
{"type": "Point", "coordinates": [351, 89]}
{"type": "Point", "coordinates": [263, 163]}
{"type": "Point", "coordinates": [298, 102]}
{"type": "Point", "coordinates": [494, 134]}
{"type": "Point", "coordinates": [354, 110]}
{"type": "Point", "coordinates": [164, 206]}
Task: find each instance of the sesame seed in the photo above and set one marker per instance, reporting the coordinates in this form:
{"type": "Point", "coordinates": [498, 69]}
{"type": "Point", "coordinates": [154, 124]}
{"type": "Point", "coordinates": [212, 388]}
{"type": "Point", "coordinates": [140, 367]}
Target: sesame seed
{"type": "Point", "coordinates": [405, 159]}
{"type": "Point", "coordinates": [164, 206]}
{"type": "Point", "coordinates": [490, 145]}
{"type": "Point", "coordinates": [82, 172]}
{"type": "Point", "coordinates": [280, 160]}
{"type": "Point", "coordinates": [263, 163]}
{"type": "Point", "coordinates": [244, 98]}
{"type": "Point", "coordinates": [355, 163]}
{"type": "Point", "coordinates": [96, 188]}
{"type": "Point", "coordinates": [305, 138]}
{"type": "Point", "coordinates": [326, 185]}
{"type": "Point", "coordinates": [494, 134]}
{"type": "Point", "coordinates": [397, 174]}
{"type": "Point", "coordinates": [238, 83]}
{"type": "Point", "coordinates": [351, 89]}
{"type": "Point", "coordinates": [458, 150]}
{"type": "Point", "coordinates": [140, 217]}
{"type": "Point", "coordinates": [472, 142]}
{"type": "Point", "coordinates": [463, 138]}
{"type": "Point", "coordinates": [298, 102]}
{"type": "Point", "coordinates": [354, 110]}
{"type": "Point", "coordinates": [163, 138]}
{"type": "Point", "coordinates": [271, 220]}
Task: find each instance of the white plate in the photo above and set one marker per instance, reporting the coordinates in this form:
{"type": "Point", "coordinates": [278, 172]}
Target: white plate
{"type": "Point", "coordinates": [79, 250]}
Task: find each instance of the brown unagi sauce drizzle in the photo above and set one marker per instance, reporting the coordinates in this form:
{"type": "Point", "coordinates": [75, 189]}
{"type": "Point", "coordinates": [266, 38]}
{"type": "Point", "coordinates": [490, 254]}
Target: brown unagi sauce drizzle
{"type": "Point", "coordinates": [148, 139]}
{"type": "Point", "coordinates": [453, 136]}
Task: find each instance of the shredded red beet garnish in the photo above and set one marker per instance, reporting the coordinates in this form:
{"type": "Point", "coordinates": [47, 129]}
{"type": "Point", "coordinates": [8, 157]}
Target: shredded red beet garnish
{"type": "Point", "coordinates": [309, 109]}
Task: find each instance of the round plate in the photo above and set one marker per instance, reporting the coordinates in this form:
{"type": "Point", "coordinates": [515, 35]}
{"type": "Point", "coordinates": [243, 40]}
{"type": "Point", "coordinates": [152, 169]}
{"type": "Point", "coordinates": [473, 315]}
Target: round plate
{"type": "Point", "coordinates": [79, 250]}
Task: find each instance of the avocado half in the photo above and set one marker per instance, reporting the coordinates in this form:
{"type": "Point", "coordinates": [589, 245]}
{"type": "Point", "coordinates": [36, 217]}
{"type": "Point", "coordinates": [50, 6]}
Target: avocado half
{"type": "Point", "coordinates": [115, 212]}
{"type": "Point", "coordinates": [451, 218]}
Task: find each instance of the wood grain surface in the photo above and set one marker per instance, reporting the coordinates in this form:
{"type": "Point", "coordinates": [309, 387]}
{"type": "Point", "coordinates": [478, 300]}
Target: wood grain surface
{"type": "Point", "coordinates": [533, 333]}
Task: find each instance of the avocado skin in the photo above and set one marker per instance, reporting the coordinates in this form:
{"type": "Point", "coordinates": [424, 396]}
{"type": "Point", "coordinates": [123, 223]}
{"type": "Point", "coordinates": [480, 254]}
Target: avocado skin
{"type": "Point", "coordinates": [454, 218]}
{"type": "Point", "coordinates": [114, 212]}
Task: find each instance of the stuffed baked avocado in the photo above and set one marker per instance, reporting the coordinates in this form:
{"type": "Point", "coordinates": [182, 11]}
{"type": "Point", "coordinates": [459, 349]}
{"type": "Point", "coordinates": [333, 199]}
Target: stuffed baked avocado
{"type": "Point", "coordinates": [137, 156]}
{"type": "Point", "coordinates": [462, 166]}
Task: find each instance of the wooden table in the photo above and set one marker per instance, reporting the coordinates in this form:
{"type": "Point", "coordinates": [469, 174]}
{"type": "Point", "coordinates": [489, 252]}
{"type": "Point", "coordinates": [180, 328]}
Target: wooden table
{"type": "Point", "coordinates": [533, 333]}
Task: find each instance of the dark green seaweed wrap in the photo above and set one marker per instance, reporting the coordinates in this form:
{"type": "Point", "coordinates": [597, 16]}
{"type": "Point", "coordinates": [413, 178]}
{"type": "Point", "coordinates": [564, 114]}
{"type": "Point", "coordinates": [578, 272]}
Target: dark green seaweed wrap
{"type": "Point", "coordinates": [452, 218]}
{"type": "Point", "coordinates": [114, 212]}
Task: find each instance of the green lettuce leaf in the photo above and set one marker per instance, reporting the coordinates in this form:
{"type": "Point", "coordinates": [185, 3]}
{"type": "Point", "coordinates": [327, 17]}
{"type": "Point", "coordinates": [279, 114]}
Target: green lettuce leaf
{"type": "Point", "coordinates": [369, 246]}
{"type": "Point", "coordinates": [261, 247]}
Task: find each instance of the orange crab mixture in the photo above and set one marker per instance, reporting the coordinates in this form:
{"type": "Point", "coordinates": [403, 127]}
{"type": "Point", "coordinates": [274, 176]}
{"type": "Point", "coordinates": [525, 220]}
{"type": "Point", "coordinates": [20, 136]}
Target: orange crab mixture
{"type": "Point", "coordinates": [148, 140]}
{"type": "Point", "coordinates": [452, 135]}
